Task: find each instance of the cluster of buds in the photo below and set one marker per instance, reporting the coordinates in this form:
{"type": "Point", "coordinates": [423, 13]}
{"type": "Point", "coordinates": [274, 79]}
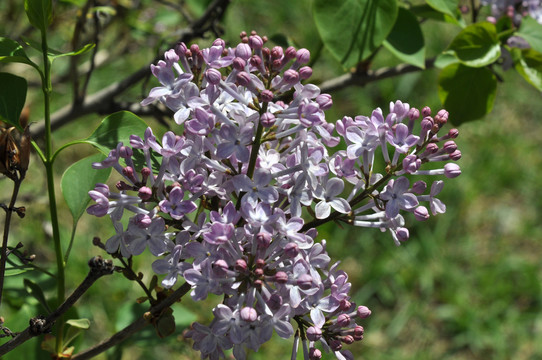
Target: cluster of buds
{"type": "Point", "coordinates": [231, 201]}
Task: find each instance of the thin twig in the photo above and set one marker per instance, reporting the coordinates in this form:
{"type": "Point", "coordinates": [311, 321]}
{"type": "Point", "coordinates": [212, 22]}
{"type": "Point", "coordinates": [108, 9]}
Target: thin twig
{"type": "Point", "coordinates": [362, 79]}
{"type": "Point", "coordinates": [134, 327]}
{"type": "Point", "coordinates": [101, 101]}
{"type": "Point", "coordinates": [4, 255]}
{"type": "Point", "coordinates": [40, 325]}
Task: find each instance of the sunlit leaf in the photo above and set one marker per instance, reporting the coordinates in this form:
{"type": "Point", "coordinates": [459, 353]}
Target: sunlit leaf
{"type": "Point", "coordinates": [406, 39]}
{"type": "Point", "coordinates": [12, 51]}
{"type": "Point", "coordinates": [353, 29]}
{"type": "Point", "coordinates": [477, 45]}
{"type": "Point", "coordinates": [528, 64]}
{"type": "Point", "coordinates": [531, 31]}
{"type": "Point", "coordinates": [39, 12]}
{"type": "Point", "coordinates": [78, 180]}
{"type": "Point", "coordinates": [467, 93]}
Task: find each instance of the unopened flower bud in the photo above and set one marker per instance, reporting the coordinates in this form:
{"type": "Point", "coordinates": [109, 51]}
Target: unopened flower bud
{"type": "Point", "coordinates": [267, 119]}
{"type": "Point", "coordinates": [291, 250]}
{"type": "Point", "coordinates": [248, 314]}
{"type": "Point", "coordinates": [450, 146]}
{"type": "Point", "coordinates": [421, 213]}
{"type": "Point", "coordinates": [456, 155]}
{"type": "Point", "coordinates": [220, 267]}
{"type": "Point", "coordinates": [213, 76]}
{"type": "Point", "coordinates": [281, 277]}
{"type": "Point", "coordinates": [413, 114]}
{"type": "Point", "coordinates": [255, 42]}
{"type": "Point", "coordinates": [243, 78]}
{"type": "Point", "coordinates": [348, 339]}
{"type": "Point", "coordinates": [304, 281]}
{"type": "Point", "coordinates": [344, 305]}
{"type": "Point", "coordinates": [363, 312]}
{"type": "Point", "coordinates": [453, 133]}
{"type": "Point", "coordinates": [243, 51]}
{"type": "Point", "coordinates": [266, 95]}
{"type": "Point", "coordinates": [314, 333]}
{"type": "Point", "coordinates": [255, 61]}
{"type": "Point", "coordinates": [426, 111]}
{"type": "Point", "coordinates": [241, 265]}
{"type": "Point", "coordinates": [419, 187]}
{"type": "Point", "coordinates": [427, 123]}
{"type": "Point", "coordinates": [452, 170]}
{"type": "Point", "coordinates": [277, 52]}
{"type": "Point", "coordinates": [263, 239]}
{"type": "Point", "coordinates": [291, 76]}
{"type": "Point", "coordinates": [358, 332]}
{"type": "Point", "coordinates": [315, 354]}
{"type": "Point", "coordinates": [305, 72]}
{"type": "Point", "coordinates": [144, 193]}
{"type": "Point", "coordinates": [239, 64]}
{"type": "Point", "coordinates": [335, 345]}
{"type": "Point", "coordinates": [324, 101]}
{"type": "Point", "coordinates": [290, 52]}
{"type": "Point", "coordinates": [303, 56]}
{"type": "Point", "coordinates": [343, 320]}
{"type": "Point", "coordinates": [402, 234]}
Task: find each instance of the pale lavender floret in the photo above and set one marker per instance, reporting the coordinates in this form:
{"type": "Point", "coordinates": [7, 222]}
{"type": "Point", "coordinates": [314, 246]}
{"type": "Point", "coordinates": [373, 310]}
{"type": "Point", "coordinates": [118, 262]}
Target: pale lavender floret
{"type": "Point", "coordinates": [138, 239]}
{"type": "Point", "coordinates": [118, 242]}
{"type": "Point", "coordinates": [170, 265]}
{"type": "Point", "coordinates": [396, 196]}
{"type": "Point", "coordinates": [171, 145]}
{"type": "Point", "coordinates": [329, 198]}
{"type": "Point", "coordinates": [100, 194]}
{"type": "Point", "coordinates": [402, 140]}
{"type": "Point", "coordinates": [256, 189]}
{"type": "Point", "coordinates": [234, 142]}
{"type": "Point", "coordinates": [175, 206]}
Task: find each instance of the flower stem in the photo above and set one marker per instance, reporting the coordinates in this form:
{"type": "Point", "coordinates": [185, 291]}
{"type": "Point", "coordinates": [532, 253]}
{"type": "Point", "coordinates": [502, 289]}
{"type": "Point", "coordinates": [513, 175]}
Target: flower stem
{"type": "Point", "coordinates": [48, 163]}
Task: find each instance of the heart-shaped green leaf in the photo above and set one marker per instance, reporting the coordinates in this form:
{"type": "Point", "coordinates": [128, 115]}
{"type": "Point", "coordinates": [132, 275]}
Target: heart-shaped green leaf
{"type": "Point", "coordinates": [78, 180]}
{"type": "Point", "coordinates": [406, 39]}
{"type": "Point", "coordinates": [39, 12]}
{"type": "Point", "coordinates": [528, 64]}
{"type": "Point", "coordinates": [477, 45]}
{"type": "Point", "coordinates": [467, 93]}
{"type": "Point", "coordinates": [531, 31]}
{"type": "Point", "coordinates": [116, 128]}
{"type": "Point", "coordinates": [353, 29]}
{"type": "Point", "coordinates": [12, 98]}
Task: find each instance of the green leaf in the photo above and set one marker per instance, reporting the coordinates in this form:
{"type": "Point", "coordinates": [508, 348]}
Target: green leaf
{"type": "Point", "coordinates": [34, 290]}
{"type": "Point", "coordinates": [477, 45]}
{"type": "Point", "coordinates": [467, 93]}
{"type": "Point", "coordinates": [12, 98]}
{"type": "Point", "coordinates": [353, 29]}
{"type": "Point", "coordinates": [449, 7]}
{"type": "Point", "coordinates": [406, 39]}
{"type": "Point", "coordinates": [12, 51]}
{"type": "Point", "coordinates": [83, 324]}
{"type": "Point", "coordinates": [52, 53]}
{"type": "Point", "coordinates": [13, 271]}
{"type": "Point", "coordinates": [445, 59]}
{"type": "Point", "coordinates": [116, 128]}
{"type": "Point", "coordinates": [78, 180]}
{"type": "Point", "coordinates": [427, 12]}
{"type": "Point", "coordinates": [531, 31]}
{"type": "Point", "coordinates": [39, 12]}
{"type": "Point", "coordinates": [528, 64]}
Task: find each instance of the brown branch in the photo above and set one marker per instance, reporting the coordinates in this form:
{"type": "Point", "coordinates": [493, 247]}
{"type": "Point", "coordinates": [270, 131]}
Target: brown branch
{"type": "Point", "coordinates": [134, 327]}
{"type": "Point", "coordinates": [362, 79]}
{"type": "Point", "coordinates": [40, 324]}
{"type": "Point", "coordinates": [101, 101]}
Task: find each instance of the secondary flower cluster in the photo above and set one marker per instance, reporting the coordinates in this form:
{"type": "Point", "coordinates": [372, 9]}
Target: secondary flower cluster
{"type": "Point", "coordinates": [515, 9]}
{"type": "Point", "coordinates": [231, 201]}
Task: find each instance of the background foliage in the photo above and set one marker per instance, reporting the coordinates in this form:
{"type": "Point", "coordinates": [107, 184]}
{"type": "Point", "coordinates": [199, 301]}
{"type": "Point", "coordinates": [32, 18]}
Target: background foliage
{"type": "Point", "coordinates": [466, 285]}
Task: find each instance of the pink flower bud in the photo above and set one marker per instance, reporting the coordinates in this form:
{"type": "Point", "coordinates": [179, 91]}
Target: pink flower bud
{"type": "Point", "coordinates": [456, 155]}
{"type": "Point", "coordinates": [325, 101]}
{"type": "Point", "coordinates": [426, 111]}
{"type": "Point", "coordinates": [243, 51]}
{"type": "Point", "coordinates": [281, 277]}
{"type": "Point", "coordinates": [303, 56]}
{"type": "Point", "coordinates": [144, 193]}
{"type": "Point", "coordinates": [419, 187]}
{"type": "Point", "coordinates": [315, 354]}
{"type": "Point", "coordinates": [363, 312]}
{"type": "Point", "coordinates": [421, 213]}
{"type": "Point", "coordinates": [213, 76]}
{"type": "Point", "coordinates": [314, 333]}
{"type": "Point", "coordinates": [452, 170]}
{"type": "Point", "coordinates": [343, 320]}
{"type": "Point", "coordinates": [277, 52]}
{"type": "Point", "coordinates": [305, 72]}
{"type": "Point", "coordinates": [267, 119]}
{"type": "Point", "coordinates": [255, 42]}
{"type": "Point", "coordinates": [248, 314]}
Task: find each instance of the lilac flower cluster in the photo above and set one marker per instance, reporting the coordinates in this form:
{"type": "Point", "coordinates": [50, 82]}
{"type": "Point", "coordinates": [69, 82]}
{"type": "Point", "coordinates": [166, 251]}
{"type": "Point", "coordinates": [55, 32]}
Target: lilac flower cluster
{"type": "Point", "coordinates": [231, 201]}
{"type": "Point", "coordinates": [514, 9]}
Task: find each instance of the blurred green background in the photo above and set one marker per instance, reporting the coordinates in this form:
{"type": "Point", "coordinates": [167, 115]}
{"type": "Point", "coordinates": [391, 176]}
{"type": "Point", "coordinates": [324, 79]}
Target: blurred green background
{"type": "Point", "coordinates": [467, 285]}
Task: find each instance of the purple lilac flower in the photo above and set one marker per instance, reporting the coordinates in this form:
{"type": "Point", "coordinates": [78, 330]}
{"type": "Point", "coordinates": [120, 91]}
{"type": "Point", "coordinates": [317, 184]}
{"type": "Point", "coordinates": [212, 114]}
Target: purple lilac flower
{"type": "Point", "coordinates": [231, 202]}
